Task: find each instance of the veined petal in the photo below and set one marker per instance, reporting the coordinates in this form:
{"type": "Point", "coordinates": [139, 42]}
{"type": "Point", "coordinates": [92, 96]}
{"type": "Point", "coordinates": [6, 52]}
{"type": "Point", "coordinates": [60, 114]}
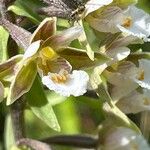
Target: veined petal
{"type": "Point", "coordinates": [32, 49]}
{"type": "Point", "coordinates": [54, 66]}
{"type": "Point", "coordinates": [46, 29]}
{"type": "Point", "coordinates": [75, 84]}
{"type": "Point", "coordinates": [105, 20]}
{"type": "Point", "coordinates": [64, 38]}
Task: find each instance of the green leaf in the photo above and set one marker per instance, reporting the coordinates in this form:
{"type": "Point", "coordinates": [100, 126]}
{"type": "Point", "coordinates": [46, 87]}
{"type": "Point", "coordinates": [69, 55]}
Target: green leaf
{"type": "Point", "coordinates": [26, 8]}
{"type": "Point", "coordinates": [40, 105]}
{"type": "Point", "coordinates": [103, 94]}
{"type": "Point", "coordinates": [22, 82]}
{"type": "Point", "coordinates": [68, 116]}
{"type": "Point", "coordinates": [4, 35]}
{"type": "Point", "coordinates": [85, 44]}
{"type": "Point", "coordinates": [55, 98]}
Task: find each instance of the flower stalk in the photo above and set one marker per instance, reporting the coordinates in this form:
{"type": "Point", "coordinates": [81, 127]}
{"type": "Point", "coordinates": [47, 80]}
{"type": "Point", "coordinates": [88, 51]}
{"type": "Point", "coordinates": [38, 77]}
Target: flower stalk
{"type": "Point", "coordinates": [17, 116]}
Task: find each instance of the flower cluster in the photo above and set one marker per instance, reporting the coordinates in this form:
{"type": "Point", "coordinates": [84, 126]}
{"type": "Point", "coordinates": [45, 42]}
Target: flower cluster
{"type": "Point", "coordinates": [97, 54]}
{"type": "Point", "coordinates": [129, 79]}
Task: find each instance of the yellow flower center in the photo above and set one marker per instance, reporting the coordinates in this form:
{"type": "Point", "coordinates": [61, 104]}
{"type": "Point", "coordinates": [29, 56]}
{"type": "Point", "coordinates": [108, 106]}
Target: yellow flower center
{"type": "Point", "coordinates": [48, 53]}
{"type": "Point", "coordinates": [146, 101]}
{"type": "Point", "coordinates": [134, 146]}
{"type": "Point", "coordinates": [60, 78]}
{"type": "Point", "coordinates": [141, 76]}
{"type": "Point", "coordinates": [127, 22]}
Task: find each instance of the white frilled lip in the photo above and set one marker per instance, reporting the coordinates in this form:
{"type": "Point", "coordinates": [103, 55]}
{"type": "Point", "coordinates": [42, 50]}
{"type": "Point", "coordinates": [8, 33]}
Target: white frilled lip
{"type": "Point", "coordinates": [76, 84]}
{"type": "Point", "coordinates": [32, 49]}
{"type": "Point", "coordinates": [140, 26]}
{"type": "Point", "coordinates": [144, 65]}
{"type": "Point", "coordinates": [93, 5]}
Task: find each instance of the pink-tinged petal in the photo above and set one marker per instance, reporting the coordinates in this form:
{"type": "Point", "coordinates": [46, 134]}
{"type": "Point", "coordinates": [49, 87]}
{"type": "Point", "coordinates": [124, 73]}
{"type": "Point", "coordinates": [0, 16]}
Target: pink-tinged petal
{"type": "Point", "coordinates": [46, 29]}
{"type": "Point", "coordinates": [54, 66]}
{"type": "Point", "coordinates": [105, 20]}
{"type": "Point", "coordinates": [32, 49]}
{"type": "Point", "coordinates": [64, 38]}
{"type": "Point", "coordinates": [22, 81]}
{"type": "Point", "coordinates": [9, 66]}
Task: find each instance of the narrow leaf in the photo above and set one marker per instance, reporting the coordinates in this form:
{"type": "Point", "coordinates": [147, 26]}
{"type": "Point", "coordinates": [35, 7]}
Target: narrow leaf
{"type": "Point", "coordinates": [40, 105]}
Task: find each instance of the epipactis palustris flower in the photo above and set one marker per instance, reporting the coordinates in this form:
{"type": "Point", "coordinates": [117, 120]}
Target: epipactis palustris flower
{"type": "Point", "coordinates": [126, 80]}
{"type": "Point", "coordinates": [55, 71]}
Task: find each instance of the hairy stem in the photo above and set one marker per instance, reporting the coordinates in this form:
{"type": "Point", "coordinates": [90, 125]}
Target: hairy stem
{"type": "Point", "coordinates": [17, 116]}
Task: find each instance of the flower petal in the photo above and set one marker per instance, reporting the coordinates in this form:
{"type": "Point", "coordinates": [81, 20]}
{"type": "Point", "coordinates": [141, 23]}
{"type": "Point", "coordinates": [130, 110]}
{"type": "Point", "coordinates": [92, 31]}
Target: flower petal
{"type": "Point", "coordinates": [32, 49]}
{"type": "Point", "coordinates": [93, 5]}
{"type": "Point", "coordinates": [140, 26]}
{"type": "Point", "coordinates": [54, 66]}
{"type": "Point", "coordinates": [46, 29]}
{"type": "Point", "coordinates": [144, 65]}
{"type": "Point", "coordinates": [117, 54]}
{"type": "Point", "coordinates": [76, 84]}
{"type": "Point", "coordinates": [64, 38]}
{"type": "Point", "coordinates": [105, 20]}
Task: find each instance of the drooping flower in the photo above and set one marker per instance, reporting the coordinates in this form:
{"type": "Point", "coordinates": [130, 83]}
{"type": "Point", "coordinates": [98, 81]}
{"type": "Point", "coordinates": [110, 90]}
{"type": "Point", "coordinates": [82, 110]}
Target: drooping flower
{"type": "Point", "coordinates": [130, 86]}
{"type": "Point", "coordinates": [135, 102]}
{"type": "Point", "coordinates": [121, 138]}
